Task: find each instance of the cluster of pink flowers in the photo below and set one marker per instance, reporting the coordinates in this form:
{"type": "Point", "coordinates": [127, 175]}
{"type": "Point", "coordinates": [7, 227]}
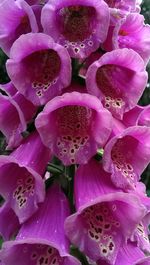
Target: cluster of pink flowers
{"type": "Point", "coordinates": [77, 70]}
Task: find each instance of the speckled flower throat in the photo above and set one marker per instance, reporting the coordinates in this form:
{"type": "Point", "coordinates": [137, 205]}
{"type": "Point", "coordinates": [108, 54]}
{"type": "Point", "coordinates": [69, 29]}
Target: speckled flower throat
{"type": "Point", "coordinates": [102, 226]}
{"type": "Point", "coordinates": [45, 66]}
{"type": "Point", "coordinates": [122, 157]}
{"type": "Point", "coordinates": [73, 124]}
{"type": "Point", "coordinates": [76, 22]}
{"type": "Point", "coordinates": [108, 83]}
{"type": "Point", "coordinates": [39, 254]}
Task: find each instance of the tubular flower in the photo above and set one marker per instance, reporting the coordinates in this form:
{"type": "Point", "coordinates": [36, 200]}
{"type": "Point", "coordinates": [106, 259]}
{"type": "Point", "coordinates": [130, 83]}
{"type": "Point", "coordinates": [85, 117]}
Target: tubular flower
{"type": "Point", "coordinates": [141, 235]}
{"type": "Point", "coordinates": [12, 121]}
{"type": "Point", "coordinates": [21, 183]}
{"type": "Point", "coordinates": [74, 126]}
{"type": "Point", "coordinates": [118, 79]}
{"type": "Point", "coordinates": [40, 245]}
{"type": "Point", "coordinates": [139, 115]}
{"type": "Point", "coordinates": [80, 26]}
{"type": "Point", "coordinates": [17, 18]}
{"type": "Point", "coordinates": [98, 226]}
{"type": "Point", "coordinates": [38, 67]}
{"type": "Point", "coordinates": [128, 254]}
{"type": "Point", "coordinates": [120, 4]}
{"type": "Point", "coordinates": [127, 155]}
{"type": "Point", "coordinates": [131, 32]}
{"type": "Point", "coordinates": [15, 112]}
{"type": "Point", "coordinates": [9, 223]}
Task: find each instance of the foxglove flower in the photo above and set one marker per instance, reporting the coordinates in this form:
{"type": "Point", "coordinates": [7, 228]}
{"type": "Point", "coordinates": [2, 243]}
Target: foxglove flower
{"type": "Point", "coordinates": [118, 127]}
{"type": "Point", "coordinates": [27, 108]}
{"type": "Point", "coordinates": [74, 126]}
{"type": "Point", "coordinates": [144, 117]}
{"type": "Point", "coordinates": [130, 118]}
{"type": "Point", "coordinates": [127, 155]}
{"type": "Point", "coordinates": [41, 239]}
{"type": "Point", "coordinates": [12, 121]}
{"type": "Point", "coordinates": [37, 12]}
{"type": "Point", "coordinates": [118, 78]}
{"type": "Point", "coordinates": [128, 254]}
{"type": "Point", "coordinates": [9, 223]}
{"type": "Point", "coordinates": [80, 26]}
{"type": "Point", "coordinates": [115, 16]}
{"type": "Point", "coordinates": [120, 4]}
{"type": "Point", "coordinates": [131, 32]}
{"type": "Point", "coordinates": [98, 226]}
{"type": "Point", "coordinates": [15, 112]}
{"type": "Point", "coordinates": [141, 234]}
{"type": "Point", "coordinates": [139, 115]}
{"type": "Point", "coordinates": [17, 18]}
{"type": "Point", "coordinates": [21, 183]}
{"type": "Point", "coordinates": [38, 67]}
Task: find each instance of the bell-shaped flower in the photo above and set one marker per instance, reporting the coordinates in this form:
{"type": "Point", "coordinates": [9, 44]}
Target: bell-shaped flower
{"type": "Point", "coordinates": [116, 15]}
{"type": "Point", "coordinates": [41, 240]}
{"type": "Point", "coordinates": [118, 79]}
{"type": "Point", "coordinates": [21, 183]}
{"type": "Point", "coordinates": [119, 4]}
{"type": "Point", "coordinates": [131, 32]}
{"type": "Point", "coordinates": [15, 112]}
{"type": "Point", "coordinates": [139, 115]}
{"type": "Point", "coordinates": [37, 12]}
{"type": "Point", "coordinates": [74, 126]}
{"type": "Point", "coordinates": [98, 227]}
{"type": "Point", "coordinates": [141, 234]}
{"type": "Point", "coordinates": [80, 26]}
{"type": "Point", "coordinates": [128, 254]}
{"type": "Point", "coordinates": [17, 18]}
{"type": "Point", "coordinates": [12, 121]}
{"type": "Point", "coordinates": [9, 223]}
{"type": "Point", "coordinates": [127, 155]}
{"type": "Point", "coordinates": [38, 67]}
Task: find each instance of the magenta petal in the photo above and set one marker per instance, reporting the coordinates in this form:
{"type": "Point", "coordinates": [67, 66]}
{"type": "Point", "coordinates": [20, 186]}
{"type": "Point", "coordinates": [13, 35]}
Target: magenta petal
{"type": "Point", "coordinates": [144, 261]}
{"type": "Point", "coordinates": [16, 18]}
{"type": "Point", "coordinates": [9, 89]}
{"type": "Point", "coordinates": [9, 223]}
{"type": "Point", "coordinates": [42, 81]}
{"type": "Point", "coordinates": [91, 175]}
{"type": "Point", "coordinates": [98, 226]}
{"type": "Point", "coordinates": [132, 33]}
{"type": "Point", "coordinates": [42, 237]}
{"type": "Point", "coordinates": [80, 26]}
{"type": "Point", "coordinates": [130, 118]}
{"type": "Point", "coordinates": [12, 121]}
{"type": "Point", "coordinates": [141, 234]}
{"type": "Point", "coordinates": [74, 126]}
{"type": "Point", "coordinates": [129, 254]}
{"type": "Point", "coordinates": [32, 153]}
{"type": "Point", "coordinates": [144, 117]}
{"type": "Point", "coordinates": [119, 4]}
{"type": "Point", "coordinates": [119, 160]}
{"type": "Point", "coordinates": [118, 78]}
{"type": "Point", "coordinates": [21, 183]}
{"type": "Point", "coordinates": [28, 109]}
{"type": "Point", "coordinates": [139, 115]}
